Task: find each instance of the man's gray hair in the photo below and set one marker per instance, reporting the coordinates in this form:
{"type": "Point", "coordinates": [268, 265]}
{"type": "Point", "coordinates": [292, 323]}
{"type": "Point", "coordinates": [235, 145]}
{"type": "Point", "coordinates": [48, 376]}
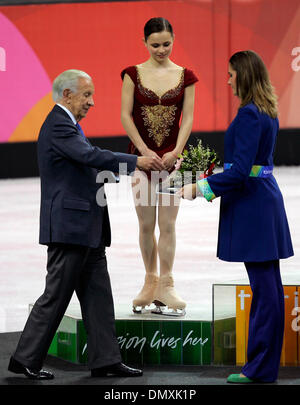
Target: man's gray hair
{"type": "Point", "coordinates": [67, 80]}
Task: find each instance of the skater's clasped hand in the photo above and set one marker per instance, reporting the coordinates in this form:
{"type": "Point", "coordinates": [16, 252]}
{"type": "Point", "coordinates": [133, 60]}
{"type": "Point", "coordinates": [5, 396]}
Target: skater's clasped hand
{"type": "Point", "coordinates": [169, 159]}
{"type": "Point", "coordinates": [150, 163]}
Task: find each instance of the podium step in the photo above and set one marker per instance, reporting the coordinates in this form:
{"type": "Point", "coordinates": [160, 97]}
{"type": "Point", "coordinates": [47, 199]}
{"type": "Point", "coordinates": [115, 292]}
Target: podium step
{"type": "Point", "coordinates": [204, 336]}
{"type": "Point", "coordinates": [232, 303]}
{"type": "Point", "coordinates": [143, 338]}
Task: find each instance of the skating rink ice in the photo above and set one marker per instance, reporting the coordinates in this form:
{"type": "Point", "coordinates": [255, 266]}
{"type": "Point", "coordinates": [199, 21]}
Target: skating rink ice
{"type": "Point", "coordinates": [196, 268]}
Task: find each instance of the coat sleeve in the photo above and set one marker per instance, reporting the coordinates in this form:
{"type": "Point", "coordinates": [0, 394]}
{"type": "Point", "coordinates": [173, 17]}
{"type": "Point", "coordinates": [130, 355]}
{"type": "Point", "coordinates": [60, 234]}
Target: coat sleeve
{"type": "Point", "coordinates": [247, 136]}
{"type": "Point", "coordinates": [69, 144]}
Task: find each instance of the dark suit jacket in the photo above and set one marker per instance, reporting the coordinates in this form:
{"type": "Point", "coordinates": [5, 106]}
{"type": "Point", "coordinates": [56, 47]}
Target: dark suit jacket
{"type": "Point", "coordinates": [253, 223]}
{"type": "Point", "coordinates": [68, 166]}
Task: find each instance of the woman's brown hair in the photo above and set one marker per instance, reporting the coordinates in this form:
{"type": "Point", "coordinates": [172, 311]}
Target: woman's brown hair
{"type": "Point", "coordinates": [253, 82]}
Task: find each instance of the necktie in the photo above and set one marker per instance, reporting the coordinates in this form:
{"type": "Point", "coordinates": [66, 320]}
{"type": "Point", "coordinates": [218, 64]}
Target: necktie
{"type": "Point", "coordinates": [80, 129]}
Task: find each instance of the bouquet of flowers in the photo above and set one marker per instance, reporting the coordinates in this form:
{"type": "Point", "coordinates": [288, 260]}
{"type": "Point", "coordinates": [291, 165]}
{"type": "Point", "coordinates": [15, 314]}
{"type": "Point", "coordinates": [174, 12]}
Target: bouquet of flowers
{"type": "Point", "coordinates": [194, 163]}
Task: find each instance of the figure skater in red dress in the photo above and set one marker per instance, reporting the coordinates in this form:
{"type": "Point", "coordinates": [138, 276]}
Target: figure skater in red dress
{"type": "Point", "coordinates": [156, 94]}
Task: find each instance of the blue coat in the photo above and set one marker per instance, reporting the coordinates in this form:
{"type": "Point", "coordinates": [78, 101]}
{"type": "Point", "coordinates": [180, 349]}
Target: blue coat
{"type": "Point", "coordinates": [253, 225]}
{"type": "Point", "coordinates": [68, 166]}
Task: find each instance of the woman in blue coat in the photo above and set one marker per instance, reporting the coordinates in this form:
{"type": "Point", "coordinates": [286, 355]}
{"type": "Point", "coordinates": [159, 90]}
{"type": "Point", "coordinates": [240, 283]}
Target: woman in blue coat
{"type": "Point", "coordinates": [253, 227]}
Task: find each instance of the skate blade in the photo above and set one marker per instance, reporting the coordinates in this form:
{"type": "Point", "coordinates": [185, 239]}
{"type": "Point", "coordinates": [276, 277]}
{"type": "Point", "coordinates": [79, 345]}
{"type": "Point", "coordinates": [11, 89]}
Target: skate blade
{"type": "Point", "coordinates": [142, 310]}
{"type": "Point", "coordinates": [168, 311]}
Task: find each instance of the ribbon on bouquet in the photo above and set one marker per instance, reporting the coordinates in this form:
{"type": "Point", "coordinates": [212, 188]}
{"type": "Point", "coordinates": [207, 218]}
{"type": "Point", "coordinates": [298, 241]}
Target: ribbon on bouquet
{"type": "Point", "coordinates": [208, 172]}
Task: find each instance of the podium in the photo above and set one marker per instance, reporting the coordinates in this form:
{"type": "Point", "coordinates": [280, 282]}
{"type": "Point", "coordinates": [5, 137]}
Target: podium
{"type": "Point", "coordinates": [231, 303]}
{"type": "Point", "coordinates": [204, 336]}
{"type": "Point", "coordinates": [143, 338]}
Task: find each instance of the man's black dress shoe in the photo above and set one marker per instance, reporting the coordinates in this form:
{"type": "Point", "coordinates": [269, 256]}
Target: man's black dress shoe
{"type": "Point", "coordinates": [18, 368]}
{"type": "Point", "coordinates": [119, 369]}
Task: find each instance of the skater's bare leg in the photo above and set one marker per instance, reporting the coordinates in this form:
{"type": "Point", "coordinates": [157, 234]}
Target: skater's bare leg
{"type": "Point", "coordinates": [167, 214]}
{"type": "Point", "coordinates": [145, 205]}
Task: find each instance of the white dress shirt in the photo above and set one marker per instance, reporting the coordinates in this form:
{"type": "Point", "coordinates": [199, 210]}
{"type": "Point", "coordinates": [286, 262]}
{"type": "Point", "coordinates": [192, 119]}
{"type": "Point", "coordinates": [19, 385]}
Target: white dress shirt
{"type": "Point", "coordinates": [68, 112]}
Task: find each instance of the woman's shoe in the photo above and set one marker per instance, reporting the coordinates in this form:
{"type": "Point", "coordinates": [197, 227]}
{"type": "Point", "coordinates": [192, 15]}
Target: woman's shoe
{"type": "Point", "coordinates": [146, 295]}
{"type": "Point", "coordinates": [238, 379]}
{"type": "Point", "coordinates": [166, 296]}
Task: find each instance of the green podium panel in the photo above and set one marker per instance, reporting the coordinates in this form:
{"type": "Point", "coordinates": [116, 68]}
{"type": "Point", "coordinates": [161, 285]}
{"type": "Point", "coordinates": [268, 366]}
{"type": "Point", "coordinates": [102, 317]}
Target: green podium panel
{"type": "Point", "coordinates": [224, 320]}
{"type": "Point", "coordinates": [69, 342]}
{"type": "Point", "coordinates": [143, 338]}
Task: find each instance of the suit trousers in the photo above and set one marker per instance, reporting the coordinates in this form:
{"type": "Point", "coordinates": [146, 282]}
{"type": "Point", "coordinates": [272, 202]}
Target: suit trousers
{"type": "Point", "coordinates": [84, 270]}
{"type": "Point", "coordinates": [266, 322]}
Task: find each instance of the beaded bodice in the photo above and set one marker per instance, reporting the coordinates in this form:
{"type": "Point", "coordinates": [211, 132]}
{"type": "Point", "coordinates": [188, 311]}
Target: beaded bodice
{"type": "Point", "coordinates": [157, 117]}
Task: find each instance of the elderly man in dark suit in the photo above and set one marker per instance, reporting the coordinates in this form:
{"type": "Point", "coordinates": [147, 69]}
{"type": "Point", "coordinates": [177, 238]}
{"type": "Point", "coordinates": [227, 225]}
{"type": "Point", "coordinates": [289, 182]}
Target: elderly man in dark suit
{"type": "Point", "coordinates": [76, 229]}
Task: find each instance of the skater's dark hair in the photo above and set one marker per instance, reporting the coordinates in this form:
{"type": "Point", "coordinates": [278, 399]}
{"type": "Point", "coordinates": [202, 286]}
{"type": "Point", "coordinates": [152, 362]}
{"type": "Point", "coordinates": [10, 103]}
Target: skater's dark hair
{"type": "Point", "coordinates": [157, 24]}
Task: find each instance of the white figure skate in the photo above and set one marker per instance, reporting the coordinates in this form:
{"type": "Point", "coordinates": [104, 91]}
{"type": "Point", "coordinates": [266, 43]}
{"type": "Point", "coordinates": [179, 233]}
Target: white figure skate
{"type": "Point", "coordinates": [146, 295]}
{"type": "Point", "coordinates": [166, 299]}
